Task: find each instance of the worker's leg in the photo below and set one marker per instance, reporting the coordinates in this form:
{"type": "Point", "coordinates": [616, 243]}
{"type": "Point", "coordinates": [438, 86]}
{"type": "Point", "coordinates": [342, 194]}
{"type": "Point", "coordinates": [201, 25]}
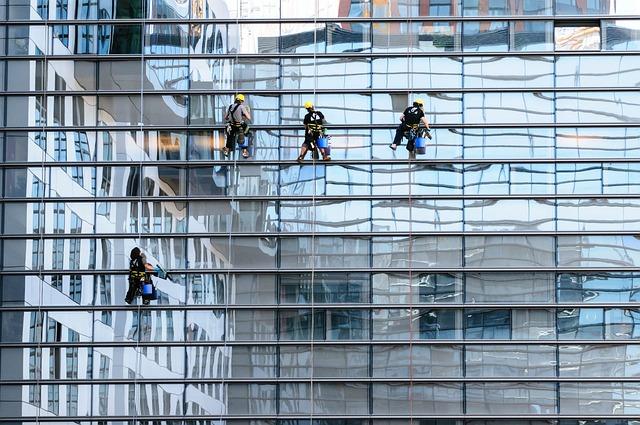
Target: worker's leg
{"type": "Point", "coordinates": [131, 292]}
{"type": "Point", "coordinates": [397, 140]}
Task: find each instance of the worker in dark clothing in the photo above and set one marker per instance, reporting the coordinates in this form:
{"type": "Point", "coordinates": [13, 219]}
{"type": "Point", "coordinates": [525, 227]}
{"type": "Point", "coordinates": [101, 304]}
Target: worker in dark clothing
{"type": "Point", "coordinates": [313, 130]}
{"type": "Point", "coordinates": [140, 272]}
{"type": "Point", "coordinates": [237, 126]}
{"type": "Point", "coordinates": [411, 119]}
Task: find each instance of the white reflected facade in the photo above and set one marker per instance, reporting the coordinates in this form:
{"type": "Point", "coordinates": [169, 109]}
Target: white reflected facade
{"type": "Point", "coordinates": [491, 281]}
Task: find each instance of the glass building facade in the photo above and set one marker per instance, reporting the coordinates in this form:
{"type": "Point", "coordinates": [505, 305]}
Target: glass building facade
{"type": "Point", "coordinates": [492, 281]}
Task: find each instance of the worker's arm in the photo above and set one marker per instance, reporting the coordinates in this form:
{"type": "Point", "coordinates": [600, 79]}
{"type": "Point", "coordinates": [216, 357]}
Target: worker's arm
{"type": "Point", "coordinates": [149, 268]}
{"type": "Point", "coordinates": [425, 121]}
{"type": "Point", "coordinates": [226, 115]}
{"type": "Point", "coordinates": [246, 113]}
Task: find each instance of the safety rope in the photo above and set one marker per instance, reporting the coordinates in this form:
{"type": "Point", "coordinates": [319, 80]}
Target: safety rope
{"type": "Point", "coordinates": [410, 254]}
{"type": "Point", "coordinates": [42, 186]}
{"type": "Point", "coordinates": [313, 218]}
{"type": "Point", "coordinates": [138, 366]}
{"type": "Point", "coordinates": [234, 176]}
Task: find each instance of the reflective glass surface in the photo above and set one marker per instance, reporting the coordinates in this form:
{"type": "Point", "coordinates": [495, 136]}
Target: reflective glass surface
{"type": "Point", "coordinates": [491, 280]}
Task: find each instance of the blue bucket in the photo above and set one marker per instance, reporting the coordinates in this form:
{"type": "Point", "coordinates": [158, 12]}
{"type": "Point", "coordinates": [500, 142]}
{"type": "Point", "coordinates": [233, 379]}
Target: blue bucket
{"type": "Point", "coordinates": [421, 145]}
{"type": "Point", "coordinates": [323, 142]}
{"type": "Point", "coordinates": [245, 142]}
{"type": "Point", "coordinates": [147, 289]}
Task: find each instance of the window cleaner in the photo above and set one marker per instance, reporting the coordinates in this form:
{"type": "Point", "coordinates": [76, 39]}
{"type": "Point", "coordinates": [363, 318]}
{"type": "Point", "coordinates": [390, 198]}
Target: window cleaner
{"type": "Point", "coordinates": [140, 273]}
{"type": "Point", "coordinates": [237, 127]}
{"type": "Point", "coordinates": [410, 126]}
{"type": "Point", "coordinates": [314, 131]}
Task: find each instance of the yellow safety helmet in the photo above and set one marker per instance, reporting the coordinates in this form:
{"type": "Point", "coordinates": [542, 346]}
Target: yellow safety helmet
{"type": "Point", "coordinates": [308, 104]}
{"type": "Point", "coordinates": [419, 101]}
{"type": "Point", "coordinates": [240, 97]}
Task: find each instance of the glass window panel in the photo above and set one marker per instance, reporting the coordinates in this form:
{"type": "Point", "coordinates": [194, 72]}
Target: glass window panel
{"type": "Point", "coordinates": [581, 323]}
{"type": "Point", "coordinates": [305, 73]}
{"type": "Point", "coordinates": [166, 74]}
{"type": "Point", "coordinates": [166, 39]}
{"type": "Point", "coordinates": [510, 398]}
{"type": "Point", "coordinates": [439, 108]}
{"type": "Point", "coordinates": [598, 143]}
{"type": "Point", "coordinates": [62, 75]}
{"type": "Point", "coordinates": [435, 399]}
{"type": "Point", "coordinates": [250, 399]}
{"type": "Point", "coordinates": [251, 325]}
{"type": "Point", "coordinates": [394, 179]}
{"type": "Point", "coordinates": [348, 108]}
{"type": "Point", "coordinates": [334, 288]}
{"type": "Point", "coordinates": [598, 214]}
{"type": "Point", "coordinates": [437, 36]}
{"type": "Point", "coordinates": [394, 288]}
{"type": "Point", "coordinates": [489, 108]}
{"type": "Point", "coordinates": [532, 179]}
{"type": "Point", "coordinates": [487, 324]}
{"type": "Point", "coordinates": [205, 145]}
{"type": "Point", "coordinates": [509, 251]}
{"type": "Point", "coordinates": [599, 361]}
{"type": "Point", "coordinates": [251, 361]}
{"type": "Point", "coordinates": [341, 361]}
{"type": "Point", "coordinates": [119, 75]}
{"type": "Point", "coordinates": [25, 40]}
{"type": "Point", "coordinates": [418, 361]}
{"type": "Point", "coordinates": [16, 107]}
{"type": "Point", "coordinates": [294, 360]}
{"type": "Point", "coordinates": [247, 180]}
{"type": "Point", "coordinates": [509, 215]}
{"type": "Point", "coordinates": [119, 110]}
{"type": "Point", "coordinates": [511, 71]}
{"type": "Point", "coordinates": [506, 7]}
{"type": "Point", "coordinates": [621, 178]}
{"type": "Point", "coordinates": [225, 252]}
{"type": "Point", "coordinates": [438, 323]}
{"type": "Point", "coordinates": [328, 252]}
{"type": "Point", "coordinates": [533, 324]}
{"type": "Point", "coordinates": [598, 251]}
{"type": "Point", "coordinates": [622, 35]}
{"type": "Point", "coordinates": [427, 251]}
{"type": "Point", "coordinates": [165, 110]}
{"type": "Point", "coordinates": [164, 181]}
{"type": "Point", "coordinates": [532, 35]}
{"type": "Point", "coordinates": [391, 324]}
{"type": "Point", "coordinates": [324, 216]}
{"type": "Point", "coordinates": [346, 37]}
{"type": "Point", "coordinates": [128, 329]}
{"type": "Point", "coordinates": [256, 38]}
{"type": "Point", "coordinates": [494, 361]}
{"type": "Point", "coordinates": [591, 107]}
{"type": "Point", "coordinates": [341, 398]}
{"type": "Point", "coordinates": [403, 72]}
{"type": "Point", "coordinates": [599, 398]}
{"type": "Point", "coordinates": [419, 215]}
{"type": "Point", "coordinates": [119, 39]}
{"type": "Point", "coordinates": [295, 398]}
{"type": "Point", "coordinates": [621, 323]}
{"type": "Point", "coordinates": [509, 288]}
{"type": "Point", "coordinates": [596, 7]}
{"type": "Point", "coordinates": [485, 36]}
{"type": "Point", "coordinates": [118, 181]}
{"type": "Point", "coordinates": [512, 142]}
{"type": "Point", "coordinates": [203, 363]}
{"type": "Point", "coordinates": [579, 178]}
{"type": "Point", "coordinates": [165, 145]}
{"type": "Point", "coordinates": [597, 71]}
{"type": "Point", "coordinates": [601, 287]}
{"type": "Point", "coordinates": [232, 216]}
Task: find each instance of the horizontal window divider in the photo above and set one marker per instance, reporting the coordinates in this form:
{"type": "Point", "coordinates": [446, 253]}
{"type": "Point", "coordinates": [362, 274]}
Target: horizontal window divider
{"type": "Point", "coordinates": [338, 380]}
{"type": "Point", "coordinates": [364, 91]}
{"type": "Point", "coordinates": [188, 164]}
{"type": "Point", "coordinates": [185, 344]}
{"type": "Point", "coordinates": [273, 55]}
{"type": "Point", "coordinates": [339, 19]}
{"type": "Point", "coordinates": [584, 270]}
{"type": "Point", "coordinates": [310, 198]}
{"type": "Point", "coordinates": [149, 127]}
{"type": "Point", "coordinates": [307, 306]}
{"type": "Point", "coordinates": [136, 419]}
{"type": "Point", "coordinates": [317, 233]}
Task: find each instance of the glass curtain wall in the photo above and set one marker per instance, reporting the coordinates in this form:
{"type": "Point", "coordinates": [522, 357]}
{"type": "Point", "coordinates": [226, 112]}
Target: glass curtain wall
{"type": "Point", "coordinates": [491, 281]}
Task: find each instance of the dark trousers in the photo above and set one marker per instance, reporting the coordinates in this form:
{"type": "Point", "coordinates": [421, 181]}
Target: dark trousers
{"type": "Point", "coordinates": [134, 286]}
{"type": "Point", "coordinates": [240, 132]}
{"type": "Point", "coordinates": [400, 132]}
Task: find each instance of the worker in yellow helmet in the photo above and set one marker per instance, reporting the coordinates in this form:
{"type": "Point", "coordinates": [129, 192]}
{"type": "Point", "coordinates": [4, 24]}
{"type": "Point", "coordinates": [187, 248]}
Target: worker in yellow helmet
{"type": "Point", "coordinates": [236, 118]}
{"type": "Point", "coordinates": [314, 129]}
{"type": "Point", "coordinates": [411, 119]}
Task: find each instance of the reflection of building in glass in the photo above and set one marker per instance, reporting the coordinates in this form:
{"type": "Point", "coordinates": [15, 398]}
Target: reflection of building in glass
{"type": "Point", "coordinates": [491, 281]}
